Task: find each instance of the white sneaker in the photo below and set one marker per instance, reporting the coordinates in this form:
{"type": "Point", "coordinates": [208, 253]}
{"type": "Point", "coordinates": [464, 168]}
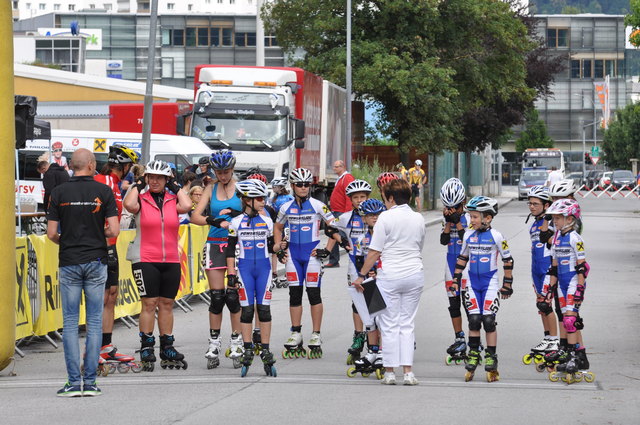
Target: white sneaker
{"type": "Point", "coordinates": [410, 379]}
{"type": "Point", "coordinates": [389, 378]}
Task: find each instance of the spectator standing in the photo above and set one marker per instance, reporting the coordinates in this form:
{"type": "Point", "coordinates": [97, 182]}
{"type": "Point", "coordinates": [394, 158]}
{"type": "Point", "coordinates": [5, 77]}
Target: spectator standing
{"type": "Point", "coordinates": [339, 203]}
{"type": "Point", "coordinates": [554, 176]}
{"type": "Point", "coordinates": [80, 208]}
{"type": "Point", "coordinates": [404, 174]}
{"type": "Point", "coordinates": [204, 169]}
{"type": "Point", "coordinates": [53, 177]}
{"type": "Point", "coordinates": [417, 180]}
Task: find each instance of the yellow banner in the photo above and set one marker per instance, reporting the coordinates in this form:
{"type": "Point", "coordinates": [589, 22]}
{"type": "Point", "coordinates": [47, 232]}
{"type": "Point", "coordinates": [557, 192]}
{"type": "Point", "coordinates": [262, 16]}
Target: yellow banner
{"type": "Point", "coordinates": [183, 255]}
{"type": "Point", "coordinates": [50, 314]}
{"type": "Point", "coordinates": [24, 324]}
{"type": "Point", "coordinates": [128, 302]}
{"type": "Point", "coordinates": [199, 280]}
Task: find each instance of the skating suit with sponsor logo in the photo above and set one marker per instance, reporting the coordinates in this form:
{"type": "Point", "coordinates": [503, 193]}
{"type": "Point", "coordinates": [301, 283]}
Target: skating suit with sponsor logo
{"type": "Point", "coordinates": [540, 257]}
{"type": "Point", "coordinates": [567, 250]}
{"type": "Point", "coordinates": [453, 250]}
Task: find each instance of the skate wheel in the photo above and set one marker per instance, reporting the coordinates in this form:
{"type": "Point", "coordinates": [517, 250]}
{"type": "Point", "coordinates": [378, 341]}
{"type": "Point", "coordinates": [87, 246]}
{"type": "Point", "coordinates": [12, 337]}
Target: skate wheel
{"type": "Point", "coordinates": [468, 376]}
{"type": "Point", "coordinates": [123, 368]}
{"type": "Point", "coordinates": [351, 372]}
{"type": "Point", "coordinates": [568, 378]}
{"type": "Point", "coordinates": [448, 360]}
{"type": "Point", "coordinates": [243, 371]}
{"type": "Point", "coordinates": [349, 359]}
{"type": "Point", "coordinates": [540, 367]}
{"type": "Point", "coordinates": [527, 359]}
{"type": "Point", "coordinates": [104, 371]}
{"type": "Point", "coordinates": [589, 377]}
{"type": "Point", "coordinates": [577, 377]}
{"type": "Point", "coordinates": [458, 361]}
{"type": "Point", "coordinates": [285, 354]}
{"type": "Point", "coordinates": [538, 359]}
{"type": "Point", "coordinates": [303, 352]}
{"type": "Point", "coordinates": [237, 363]}
{"type": "Point", "coordinates": [136, 367]}
{"type": "Point", "coordinates": [185, 365]}
{"type": "Point", "coordinates": [365, 374]}
{"type": "Point", "coordinates": [554, 377]}
{"type": "Point", "coordinates": [379, 374]}
{"type": "Point", "coordinates": [112, 368]}
{"type": "Point", "coordinates": [493, 376]}
{"type": "Point", "coordinates": [274, 372]}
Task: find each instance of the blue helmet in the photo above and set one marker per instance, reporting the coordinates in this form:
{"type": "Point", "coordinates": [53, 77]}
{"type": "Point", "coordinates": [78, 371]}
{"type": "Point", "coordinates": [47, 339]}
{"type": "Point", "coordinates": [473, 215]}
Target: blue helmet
{"type": "Point", "coordinates": [483, 204]}
{"type": "Point", "coordinates": [222, 160]}
{"type": "Point", "coordinates": [172, 165]}
{"type": "Point", "coordinates": [371, 206]}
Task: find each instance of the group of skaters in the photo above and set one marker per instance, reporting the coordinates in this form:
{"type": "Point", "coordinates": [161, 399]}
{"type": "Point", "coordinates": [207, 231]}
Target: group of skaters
{"type": "Point", "coordinates": [251, 232]}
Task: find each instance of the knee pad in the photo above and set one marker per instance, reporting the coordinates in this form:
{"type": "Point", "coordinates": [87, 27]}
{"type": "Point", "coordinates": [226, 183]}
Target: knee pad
{"type": "Point", "coordinates": [233, 301]}
{"type": "Point", "coordinates": [544, 308]}
{"type": "Point", "coordinates": [569, 323]}
{"type": "Point", "coordinates": [264, 313]}
{"type": "Point", "coordinates": [247, 314]}
{"type": "Point", "coordinates": [314, 296]}
{"type": "Point", "coordinates": [489, 323]}
{"type": "Point", "coordinates": [353, 308]}
{"type": "Point", "coordinates": [454, 307]}
{"type": "Point", "coordinates": [475, 322]}
{"type": "Point", "coordinates": [217, 300]}
{"type": "Point", "coordinates": [295, 296]}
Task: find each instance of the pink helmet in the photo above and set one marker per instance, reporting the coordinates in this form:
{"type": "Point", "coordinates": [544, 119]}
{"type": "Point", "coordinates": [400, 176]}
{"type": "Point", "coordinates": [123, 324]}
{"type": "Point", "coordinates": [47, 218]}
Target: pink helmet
{"type": "Point", "coordinates": [566, 207]}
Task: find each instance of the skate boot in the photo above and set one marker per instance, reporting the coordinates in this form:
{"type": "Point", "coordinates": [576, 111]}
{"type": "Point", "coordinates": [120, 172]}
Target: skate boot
{"type": "Point", "coordinates": [268, 362]}
{"type": "Point", "coordinates": [378, 366]}
{"type": "Point", "coordinates": [457, 352]}
{"type": "Point", "coordinates": [257, 341]}
{"type": "Point", "coordinates": [473, 361]}
{"type": "Point", "coordinates": [537, 353]}
{"type": "Point", "coordinates": [169, 356]}
{"type": "Point", "coordinates": [147, 355]}
{"type": "Point", "coordinates": [363, 365]}
{"type": "Point", "coordinates": [246, 360]}
{"type": "Point", "coordinates": [284, 283]}
{"type": "Point", "coordinates": [574, 370]}
{"type": "Point", "coordinates": [545, 362]}
{"type": "Point", "coordinates": [315, 346]}
{"type": "Point", "coordinates": [293, 347]}
{"type": "Point", "coordinates": [359, 338]}
{"type": "Point", "coordinates": [213, 353]}
{"type": "Point", "coordinates": [235, 350]}
{"type": "Point", "coordinates": [491, 367]}
{"type": "Point", "coordinates": [122, 362]}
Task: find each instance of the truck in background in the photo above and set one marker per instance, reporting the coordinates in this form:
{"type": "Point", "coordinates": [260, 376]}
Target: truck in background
{"type": "Point", "coordinates": [274, 118]}
{"type": "Point", "coordinates": [127, 117]}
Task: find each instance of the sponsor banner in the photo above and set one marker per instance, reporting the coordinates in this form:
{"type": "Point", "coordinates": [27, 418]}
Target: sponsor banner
{"type": "Point", "coordinates": [50, 314]}
{"type": "Point", "coordinates": [24, 324]}
{"type": "Point", "coordinates": [183, 250]}
{"type": "Point", "coordinates": [198, 237]}
{"type": "Point", "coordinates": [30, 189]}
{"type": "Point", "coordinates": [128, 301]}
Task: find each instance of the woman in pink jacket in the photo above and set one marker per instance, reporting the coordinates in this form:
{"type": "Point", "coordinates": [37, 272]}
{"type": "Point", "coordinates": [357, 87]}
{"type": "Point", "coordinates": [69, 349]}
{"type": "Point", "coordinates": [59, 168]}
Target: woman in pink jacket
{"type": "Point", "coordinates": [154, 258]}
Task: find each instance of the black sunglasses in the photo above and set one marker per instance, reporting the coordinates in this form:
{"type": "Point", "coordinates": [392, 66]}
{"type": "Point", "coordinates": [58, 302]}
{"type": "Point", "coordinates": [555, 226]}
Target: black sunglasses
{"type": "Point", "coordinates": [302, 184]}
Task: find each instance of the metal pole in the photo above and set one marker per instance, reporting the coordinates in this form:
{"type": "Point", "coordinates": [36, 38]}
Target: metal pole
{"type": "Point", "coordinates": [584, 152]}
{"type": "Point", "coordinates": [148, 95]}
{"type": "Point", "coordinates": [348, 71]}
{"type": "Point", "coordinates": [593, 102]}
{"type": "Point", "coordinates": [259, 36]}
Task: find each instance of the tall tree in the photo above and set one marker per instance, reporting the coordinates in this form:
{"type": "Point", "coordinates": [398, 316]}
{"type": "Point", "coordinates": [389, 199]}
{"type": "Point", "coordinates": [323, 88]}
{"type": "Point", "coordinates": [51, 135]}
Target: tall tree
{"type": "Point", "coordinates": [535, 133]}
{"type": "Point", "coordinates": [633, 20]}
{"type": "Point", "coordinates": [622, 138]}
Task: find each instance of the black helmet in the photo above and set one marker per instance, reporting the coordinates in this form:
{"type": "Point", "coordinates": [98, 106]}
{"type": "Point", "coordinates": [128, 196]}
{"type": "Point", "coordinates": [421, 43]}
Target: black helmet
{"type": "Point", "coordinates": [203, 160]}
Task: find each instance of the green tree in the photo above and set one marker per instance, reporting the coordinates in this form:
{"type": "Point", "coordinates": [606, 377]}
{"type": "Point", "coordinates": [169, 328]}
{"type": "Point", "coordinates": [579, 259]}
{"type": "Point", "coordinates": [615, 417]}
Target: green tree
{"type": "Point", "coordinates": [622, 138]}
{"type": "Point", "coordinates": [633, 20]}
{"type": "Point", "coordinates": [571, 10]}
{"type": "Point", "coordinates": [534, 134]}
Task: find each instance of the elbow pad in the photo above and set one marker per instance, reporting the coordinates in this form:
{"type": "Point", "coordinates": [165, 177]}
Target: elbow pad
{"type": "Point", "coordinates": [508, 263]}
{"type": "Point", "coordinates": [582, 269]}
{"type": "Point", "coordinates": [553, 271]}
{"type": "Point", "coordinates": [445, 238]}
{"type": "Point", "coordinates": [230, 251]}
{"type": "Point", "coordinates": [330, 231]}
{"type": "Point", "coordinates": [546, 235]}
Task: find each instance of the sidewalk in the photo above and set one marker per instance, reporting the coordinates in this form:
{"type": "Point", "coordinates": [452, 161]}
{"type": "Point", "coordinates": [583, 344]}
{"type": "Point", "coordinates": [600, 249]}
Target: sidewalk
{"type": "Point", "coordinates": [509, 193]}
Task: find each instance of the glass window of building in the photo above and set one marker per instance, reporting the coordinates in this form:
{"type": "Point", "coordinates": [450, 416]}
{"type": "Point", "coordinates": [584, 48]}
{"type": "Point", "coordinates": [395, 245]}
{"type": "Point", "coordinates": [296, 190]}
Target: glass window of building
{"type": "Point", "coordinates": [72, 7]}
{"type": "Point", "coordinates": [56, 6]}
{"type": "Point", "coordinates": [166, 37]}
{"type": "Point", "coordinates": [227, 36]}
{"type": "Point", "coordinates": [42, 6]}
{"type": "Point", "coordinates": [203, 36]}
{"type": "Point", "coordinates": [177, 37]}
{"type": "Point", "coordinates": [232, 1]}
{"type": "Point", "coordinates": [191, 36]}
{"type": "Point", "coordinates": [189, 7]}
{"type": "Point", "coordinates": [270, 41]}
{"type": "Point", "coordinates": [214, 36]}
{"type": "Point", "coordinates": [92, 6]}
{"type": "Point", "coordinates": [586, 68]}
{"type": "Point", "coordinates": [557, 37]}
{"type": "Point", "coordinates": [171, 6]}
{"type": "Point", "coordinates": [575, 69]}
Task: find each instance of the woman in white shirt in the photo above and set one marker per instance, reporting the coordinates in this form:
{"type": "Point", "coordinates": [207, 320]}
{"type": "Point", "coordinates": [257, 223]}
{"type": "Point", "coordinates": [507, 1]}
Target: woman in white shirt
{"type": "Point", "coordinates": [398, 238]}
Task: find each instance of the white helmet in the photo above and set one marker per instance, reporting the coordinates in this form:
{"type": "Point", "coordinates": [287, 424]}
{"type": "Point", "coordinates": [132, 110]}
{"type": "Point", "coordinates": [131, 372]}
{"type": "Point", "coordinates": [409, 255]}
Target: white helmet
{"type": "Point", "coordinates": [540, 192]}
{"type": "Point", "coordinates": [452, 193]}
{"type": "Point", "coordinates": [279, 181]}
{"type": "Point", "coordinates": [418, 162]}
{"type": "Point", "coordinates": [158, 167]}
{"type": "Point", "coordinates": [301, 175]}
{"type": "Point", "coordinates": [483, 204]}
{"type": "Point", "coordinates": [252, 188]}
{"type": "Point", "coordinates": [562, 189]}
{"type": "Point", "coordinates": [358, 186]}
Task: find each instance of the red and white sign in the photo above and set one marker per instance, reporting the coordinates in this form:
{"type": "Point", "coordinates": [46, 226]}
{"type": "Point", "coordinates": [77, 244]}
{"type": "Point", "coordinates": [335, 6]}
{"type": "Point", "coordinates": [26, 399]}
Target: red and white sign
{"type": "Point", "coordinates": [27, 189]}
{"type": "Point", "coordinates": [595, 159]}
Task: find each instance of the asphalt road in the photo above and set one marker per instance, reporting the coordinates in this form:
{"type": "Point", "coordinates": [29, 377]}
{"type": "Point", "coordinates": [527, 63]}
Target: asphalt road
{"type": "Point", "coordinates": [319, 392]}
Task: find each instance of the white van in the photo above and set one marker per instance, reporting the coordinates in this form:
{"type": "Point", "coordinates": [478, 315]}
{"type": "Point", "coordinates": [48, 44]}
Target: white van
{"type": "Point", "coordinates": [183, 151]}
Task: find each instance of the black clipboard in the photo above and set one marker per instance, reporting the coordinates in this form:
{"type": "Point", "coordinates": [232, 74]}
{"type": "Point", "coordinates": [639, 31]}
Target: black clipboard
{"type": "Point", "coordinates": [373, 297]}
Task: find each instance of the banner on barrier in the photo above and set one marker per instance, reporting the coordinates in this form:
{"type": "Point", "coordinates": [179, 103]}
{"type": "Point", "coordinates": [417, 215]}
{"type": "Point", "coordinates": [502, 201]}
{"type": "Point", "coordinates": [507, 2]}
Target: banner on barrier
{"type": "Point", "coordinates": [24, 325]}
{"type": "Point", "coordinates": [50, 315]}
{"type": "Point", "coordinates": [128, 301]}
{"type": "Point", "coordinates": [200, 283]}
{"type": "Point", "coordinates": [183, 250]}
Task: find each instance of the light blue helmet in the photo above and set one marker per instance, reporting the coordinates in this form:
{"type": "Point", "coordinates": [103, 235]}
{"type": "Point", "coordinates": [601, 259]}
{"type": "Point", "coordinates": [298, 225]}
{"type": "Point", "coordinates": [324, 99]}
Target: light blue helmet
{"type": "Point", "coordinates": [483, 204]}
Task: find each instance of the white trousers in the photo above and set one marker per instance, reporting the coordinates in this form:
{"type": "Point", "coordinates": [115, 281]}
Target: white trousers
{"type": "Point", "coordinates": [397, 321]}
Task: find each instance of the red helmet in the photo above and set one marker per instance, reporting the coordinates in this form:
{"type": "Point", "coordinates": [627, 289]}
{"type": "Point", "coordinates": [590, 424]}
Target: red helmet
{"type": "Point", "coordinates": [258, 176]}
{"type": "Point", "coordinates": [385, 178]}
{"type": "Point", "coordinates": [56, 145]}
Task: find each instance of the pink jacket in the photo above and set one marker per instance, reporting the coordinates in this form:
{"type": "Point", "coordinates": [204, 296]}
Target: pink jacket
{"type": "Point", "coordinates": [157, 232]}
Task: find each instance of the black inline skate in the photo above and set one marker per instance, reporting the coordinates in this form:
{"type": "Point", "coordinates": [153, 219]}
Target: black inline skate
{"type": "Point", "coordinates": [169, 356]}
{"type": "Point", "coordinates": [268, 362]}
{"type": "Point", "coordinates": [359, 339]}
{"type": "Point", "coordinates": [147, 355]}
{"type": "Point", "coordinates": [575, 369]}
{"type": "Point", "coordinates": [491, 367]}
{"type": "Point", "coordinates": [367, 364]}
{"type": "Point", "coordinates": [457, 352]}
{"type": "Point", "coordinates": [246, 360]}
{"type": "Point", "coordinates": [474, 358]}
{"type": "Point", "coordinates": [257, 341]}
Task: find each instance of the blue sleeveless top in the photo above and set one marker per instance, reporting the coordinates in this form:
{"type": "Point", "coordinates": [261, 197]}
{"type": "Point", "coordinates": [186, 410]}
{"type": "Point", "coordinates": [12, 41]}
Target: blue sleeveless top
{"type": "Point", "coordinates": [218, 235]}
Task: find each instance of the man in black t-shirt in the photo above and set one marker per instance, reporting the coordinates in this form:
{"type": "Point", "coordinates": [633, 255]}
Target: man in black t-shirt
{"type": "Point", "coordinates": [80, 207]}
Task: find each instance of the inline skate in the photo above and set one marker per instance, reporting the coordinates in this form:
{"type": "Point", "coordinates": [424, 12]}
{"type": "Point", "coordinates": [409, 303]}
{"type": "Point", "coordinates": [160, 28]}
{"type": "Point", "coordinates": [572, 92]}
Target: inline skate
{"type": "Point", "coordinates": [114, 360]}
{"type": "Point", "coordinates": [474, 358]}
{"type": "Point", "coordinates": [491, 367]}
{"type": "Point", "coordinates": [213, 353]}
{"type": "Point", "coordinates": [293, 347]}
{"type": "Point", "coordinates": [538, 352]}
{"type": "Point", "coordinates": [147, 355]}
{"type": "Point", "coordinates": [246, 360]}
{"type": "Point", "coordinates": [169, 356]}
{"type": "Point", "coordinates": [315, 346]}
{"type": "Point", "coordinates": [359, 339]}
{"type": "Point", "coordinates": [457, 352]}
{"type": "Point", "coordinates": [574, 370]}
{"type": "Point", "coordinates": [256, 337]}
{"type": "Point", "coordinates": [367, 364]}
{"type": "Point", "coordinates": [235, 350]}
{"type": "Point", "coordinates": [553, 358]}
{"type": "Point", "coordinates": [268, 362]}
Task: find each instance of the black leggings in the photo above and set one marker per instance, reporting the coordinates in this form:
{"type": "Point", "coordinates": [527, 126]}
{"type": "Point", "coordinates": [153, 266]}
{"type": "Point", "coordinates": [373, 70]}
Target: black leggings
{"type": "Point", "coordinates": [157, 279]}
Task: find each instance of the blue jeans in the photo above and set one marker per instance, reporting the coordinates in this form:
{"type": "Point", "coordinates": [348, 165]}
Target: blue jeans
{"type": "Point", "coordinates": [90, 278]}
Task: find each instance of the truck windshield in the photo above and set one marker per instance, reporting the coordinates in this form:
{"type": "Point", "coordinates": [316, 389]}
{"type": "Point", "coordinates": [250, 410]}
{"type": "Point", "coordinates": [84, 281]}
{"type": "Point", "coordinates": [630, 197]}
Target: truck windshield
{"type": "Point", "coordinates": [242, 131]}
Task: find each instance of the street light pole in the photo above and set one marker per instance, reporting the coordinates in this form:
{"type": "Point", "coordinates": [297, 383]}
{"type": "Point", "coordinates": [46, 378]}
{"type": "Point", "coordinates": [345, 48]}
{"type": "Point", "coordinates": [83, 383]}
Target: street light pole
{"type": "Point", "coordinates": [147, 115]}
{"type": "Point", "coordinates": [348, 72]}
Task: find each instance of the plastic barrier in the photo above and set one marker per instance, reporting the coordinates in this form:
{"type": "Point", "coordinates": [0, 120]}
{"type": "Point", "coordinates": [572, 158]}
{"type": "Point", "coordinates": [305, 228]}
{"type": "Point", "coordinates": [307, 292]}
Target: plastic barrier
{"type": "Point", "coordinates": [610, 191]}
{"type": "Point", "coordinates": [24, 323]}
